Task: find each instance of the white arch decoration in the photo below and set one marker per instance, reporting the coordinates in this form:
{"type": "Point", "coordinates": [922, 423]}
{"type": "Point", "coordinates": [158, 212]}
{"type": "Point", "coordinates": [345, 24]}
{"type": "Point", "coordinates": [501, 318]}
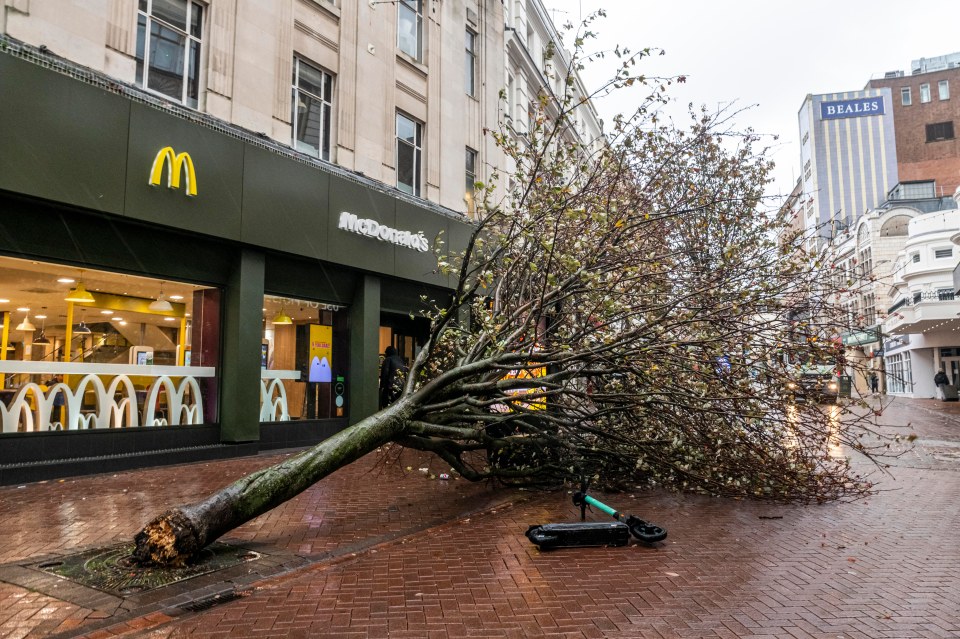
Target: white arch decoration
{"type": "Point", "coordinates": [273, 395]}
{"type": "Point", "coordinates": [116, 402]}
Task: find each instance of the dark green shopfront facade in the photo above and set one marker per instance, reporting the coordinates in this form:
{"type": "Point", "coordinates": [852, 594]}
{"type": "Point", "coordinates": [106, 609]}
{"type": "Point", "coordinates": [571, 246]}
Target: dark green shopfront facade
{"type": "Point", "coordinates": [77, 156]}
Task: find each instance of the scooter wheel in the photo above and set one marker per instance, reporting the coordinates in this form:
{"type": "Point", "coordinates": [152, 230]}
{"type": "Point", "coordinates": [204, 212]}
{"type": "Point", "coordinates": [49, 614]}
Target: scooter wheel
{"type": "Point", "coordinates": [650, 534]}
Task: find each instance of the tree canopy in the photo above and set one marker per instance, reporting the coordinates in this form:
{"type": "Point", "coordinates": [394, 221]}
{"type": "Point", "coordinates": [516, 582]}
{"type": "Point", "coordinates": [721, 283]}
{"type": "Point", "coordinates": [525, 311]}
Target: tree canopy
{"type": "Point", "coordinates": [630, 310]}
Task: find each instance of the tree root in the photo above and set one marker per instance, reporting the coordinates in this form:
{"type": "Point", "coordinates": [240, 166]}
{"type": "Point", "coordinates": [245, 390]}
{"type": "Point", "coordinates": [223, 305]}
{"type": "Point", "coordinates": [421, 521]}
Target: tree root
{"type": "Point", "coordinates": [168, 540]}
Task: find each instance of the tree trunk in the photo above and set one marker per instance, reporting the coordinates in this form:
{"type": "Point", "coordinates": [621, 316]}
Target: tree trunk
{"type": "Point", "coordinates": [178, 535]}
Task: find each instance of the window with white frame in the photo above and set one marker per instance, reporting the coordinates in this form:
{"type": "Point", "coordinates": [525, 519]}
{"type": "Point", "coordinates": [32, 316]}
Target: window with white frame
{"type": "Point", "coordinates": [410, 27]}
{"type": "Point", "coordinates": [905, 98]}
{"type": "Point", "coordinates": [924, 93]}
{"type": "Point", "coordinates": [943, 88]}
{"type": "Point", "coordinates": [169, 34]}
{"type": "Point", "coordinates": [409, 154]}
{"type": "Point", "coordinates": [470, 78]}
{"type": "Point", "coordinates": [470, 180]}
{"type": "Point", "coordinates": [312, 109]}
{"type": "Point", "coordinates": [899, 378]}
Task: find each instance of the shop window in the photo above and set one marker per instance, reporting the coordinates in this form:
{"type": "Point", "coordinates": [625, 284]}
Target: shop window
{"type": "Point", "coordinates": [410, 27]}
{"type": "Point", "coordinates": [898, 373]}
{"type": "Point", "coordinates": [62, 325]}
{"type": "Point", "coordinates": [409, 154]}
{"type": "Point", "coordinates": [303, 360]}
{"type": "Point", "coordinates": [169, 36]}
{"type": "Point", "coordinates": [312, 109]}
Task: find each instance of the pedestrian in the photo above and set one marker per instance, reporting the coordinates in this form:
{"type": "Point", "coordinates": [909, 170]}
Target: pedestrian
{"type": "Point", "coordinates": [941, 381]}
{"type": "Point", "coordinates": [874, 383]}
{"type": "Point", "coordinates": [392, 373]}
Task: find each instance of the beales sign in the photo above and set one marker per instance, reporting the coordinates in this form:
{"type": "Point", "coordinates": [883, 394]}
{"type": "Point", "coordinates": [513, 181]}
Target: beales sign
{"type": "Point", "coordinates": [851, 108]}
{"type": "Point", "coordinates": [372, 228]}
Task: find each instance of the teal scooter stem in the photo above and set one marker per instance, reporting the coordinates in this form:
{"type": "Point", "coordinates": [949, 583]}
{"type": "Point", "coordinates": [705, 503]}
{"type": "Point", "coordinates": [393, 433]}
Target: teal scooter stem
{"type": "Point", "coordinates": [642, 530]}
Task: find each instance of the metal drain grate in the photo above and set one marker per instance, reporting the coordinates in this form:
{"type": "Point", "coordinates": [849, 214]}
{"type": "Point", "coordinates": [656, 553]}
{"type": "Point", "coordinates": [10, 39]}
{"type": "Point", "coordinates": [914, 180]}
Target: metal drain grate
{"type": "Point", "coordinates": [221, 598]}
{"type": "Point", "coordinates": [112, 570]}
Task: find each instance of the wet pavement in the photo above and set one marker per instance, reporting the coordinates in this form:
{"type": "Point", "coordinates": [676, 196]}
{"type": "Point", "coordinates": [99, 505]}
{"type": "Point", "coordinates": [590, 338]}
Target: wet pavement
{"type": "Point", "coordinates": [377, 550]}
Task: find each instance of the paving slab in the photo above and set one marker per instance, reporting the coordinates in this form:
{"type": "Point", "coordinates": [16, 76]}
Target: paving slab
{"type": "Point", "coordinates": [379, 551]}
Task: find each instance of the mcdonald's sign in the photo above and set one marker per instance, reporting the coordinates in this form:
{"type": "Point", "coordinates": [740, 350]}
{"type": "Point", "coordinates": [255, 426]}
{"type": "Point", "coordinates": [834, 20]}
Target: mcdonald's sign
{"type": "Point", "coordinates": [179, 163]}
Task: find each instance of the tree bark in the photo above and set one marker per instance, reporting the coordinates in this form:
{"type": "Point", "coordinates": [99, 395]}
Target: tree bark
{"type": "Point", "coordinates": [177, 536]}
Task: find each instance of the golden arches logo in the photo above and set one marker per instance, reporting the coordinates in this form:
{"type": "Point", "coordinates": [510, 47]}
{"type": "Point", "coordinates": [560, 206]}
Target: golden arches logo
{"type": "Point", "coordinates": [179, 163]}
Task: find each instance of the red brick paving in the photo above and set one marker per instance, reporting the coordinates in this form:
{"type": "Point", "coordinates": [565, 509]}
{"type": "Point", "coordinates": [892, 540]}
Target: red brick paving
{"type": "Point", "coordinates": [881, 568]}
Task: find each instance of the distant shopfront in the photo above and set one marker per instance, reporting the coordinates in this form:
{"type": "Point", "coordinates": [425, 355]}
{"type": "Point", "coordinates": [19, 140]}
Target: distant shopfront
{"type": "Point", "coordinates": [173, 290]}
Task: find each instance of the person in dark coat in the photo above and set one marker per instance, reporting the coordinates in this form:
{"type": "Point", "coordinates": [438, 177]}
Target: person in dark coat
{"type": "Point", "coordinates": [941, 381]}
{"type": "Point", "coordinates": [392, 373]}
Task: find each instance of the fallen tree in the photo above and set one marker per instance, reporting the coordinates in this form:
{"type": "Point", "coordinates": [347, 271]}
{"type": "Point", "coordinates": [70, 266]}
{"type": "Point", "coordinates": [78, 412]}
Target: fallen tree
{"type": "Point", "coordinates": [630, 311]}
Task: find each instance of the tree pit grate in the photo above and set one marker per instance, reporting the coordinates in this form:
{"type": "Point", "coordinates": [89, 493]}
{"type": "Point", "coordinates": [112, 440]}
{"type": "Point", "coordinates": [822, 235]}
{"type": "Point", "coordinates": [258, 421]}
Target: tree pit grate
{"type": "Point", "coordinates": [112, 569]}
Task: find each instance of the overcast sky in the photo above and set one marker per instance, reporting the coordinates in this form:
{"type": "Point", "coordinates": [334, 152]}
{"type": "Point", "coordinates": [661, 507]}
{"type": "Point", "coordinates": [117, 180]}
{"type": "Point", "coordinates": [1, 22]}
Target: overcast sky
{"type": "Point", "coordinates": [767, 53]}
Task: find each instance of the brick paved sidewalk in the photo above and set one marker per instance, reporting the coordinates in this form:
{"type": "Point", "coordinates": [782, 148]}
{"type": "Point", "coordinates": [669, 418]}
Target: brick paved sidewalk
{"type": "Point", "coordinates": [884, 567]}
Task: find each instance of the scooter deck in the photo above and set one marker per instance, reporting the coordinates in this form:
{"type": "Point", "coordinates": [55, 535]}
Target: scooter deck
{"type": "Point", "coordinates": [579, 534]}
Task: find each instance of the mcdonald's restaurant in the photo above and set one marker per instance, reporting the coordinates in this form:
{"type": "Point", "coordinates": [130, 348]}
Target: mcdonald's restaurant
{"type": "Point", "coordinates": [173, 288]}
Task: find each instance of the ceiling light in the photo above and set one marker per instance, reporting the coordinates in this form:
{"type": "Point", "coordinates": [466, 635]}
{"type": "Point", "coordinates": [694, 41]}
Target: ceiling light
{"type": "Point", "coordinates": [25, 325]}
{"type": "Point", "coordinates": [42, 338]}
{"type": "Point", "coordinates": [40, 317]}
{"type": "Point", "coordinates": [80, 295]}
{"type": "Point", "coordinates": [169, 319]}
{"type": "Point", "coordinates": [4, 300]}
{"type": "Point", "coordinates": [117, 319]}
{"type": "Point", "coordinates": [160, 305]}
{"type": "Point", "coordinates": [122, 323]}
{"type": "Point", "coordinates": [23, 309]}
{"type": "Point", "coordinates": [106, 312]}
{"type": "Point", "coordinates": [66, 280]}
{"type": "Point", "coordinates": [82, 329]}
{"type": "Point", "coordinates": [176, 297]}
{"type": "Point", "coordinates": [282, 318]}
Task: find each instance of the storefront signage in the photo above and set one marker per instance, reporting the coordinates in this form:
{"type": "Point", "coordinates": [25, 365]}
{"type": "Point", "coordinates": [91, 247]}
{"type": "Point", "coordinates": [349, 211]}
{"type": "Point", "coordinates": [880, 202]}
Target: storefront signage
{"type": "Point", "coordinates": [859, 338]}
{"type": "Point", "coordinates": [896, 342]}
{"type": "Point", "coordinates": [382, 232]}
{"type": "Point", "coordinates": [178, 163]}
{"type": "Point", "coordinates": [851, 108]}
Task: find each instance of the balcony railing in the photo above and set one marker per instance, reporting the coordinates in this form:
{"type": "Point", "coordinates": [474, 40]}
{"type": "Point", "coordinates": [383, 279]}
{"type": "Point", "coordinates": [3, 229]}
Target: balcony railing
{"type": "Point", "coordinates": [923, 298]}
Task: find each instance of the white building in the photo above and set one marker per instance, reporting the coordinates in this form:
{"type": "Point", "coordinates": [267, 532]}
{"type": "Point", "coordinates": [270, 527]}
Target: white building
{"type": "Point", "coordinates": [538, 65]}
{"type": "Point", "coordinates": [922, 329]}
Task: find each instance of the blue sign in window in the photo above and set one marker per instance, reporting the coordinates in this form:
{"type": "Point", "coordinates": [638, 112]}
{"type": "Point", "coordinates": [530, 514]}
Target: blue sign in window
{"type": "Point", "coordinates": [851, 108]}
